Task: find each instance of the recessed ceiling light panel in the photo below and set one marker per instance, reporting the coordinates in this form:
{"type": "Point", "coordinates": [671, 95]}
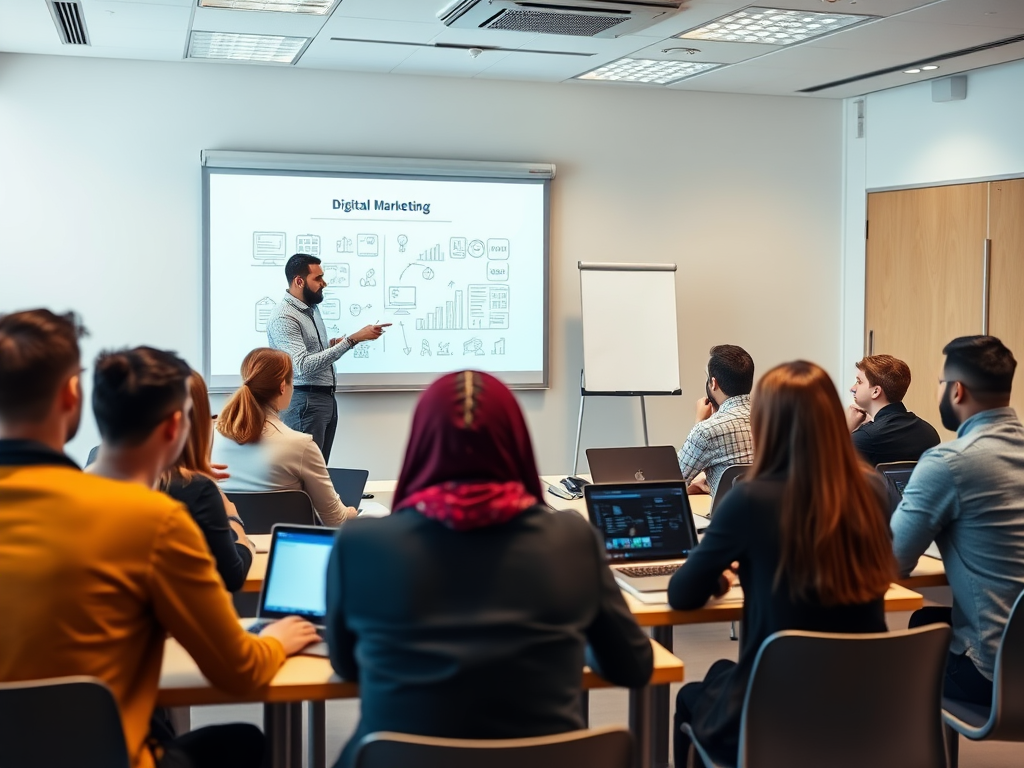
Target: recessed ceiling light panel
{"type": "Point", "coordinates": [772, 26]}
{"type": "Point", "coordinates": [318, 7]}
{"type": "Point", "coordinates": [647, 71]}
{"type": "Point", "coordinates": [238, 47]}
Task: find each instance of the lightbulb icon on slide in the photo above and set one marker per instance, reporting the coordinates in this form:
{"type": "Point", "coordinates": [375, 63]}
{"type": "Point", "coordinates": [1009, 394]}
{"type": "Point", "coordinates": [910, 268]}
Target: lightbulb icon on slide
{"type": "Point", "coordinates": [402, 242]}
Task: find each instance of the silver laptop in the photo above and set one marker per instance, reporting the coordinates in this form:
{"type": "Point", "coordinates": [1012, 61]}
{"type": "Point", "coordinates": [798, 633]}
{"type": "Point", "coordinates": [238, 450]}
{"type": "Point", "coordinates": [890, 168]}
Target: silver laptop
{"type": "Point", "coordinates": [647, 528]}
{"type": "Point", "coordinates": [655, 463]}
{"type": "Point", "coordinates": [296, 579]}
{"type": "Point", "coordinates": [349, 484]}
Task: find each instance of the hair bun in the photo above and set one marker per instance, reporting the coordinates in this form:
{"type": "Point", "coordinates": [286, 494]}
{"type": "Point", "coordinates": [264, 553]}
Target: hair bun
{"type": "Point", "coordinates": [115, 367]}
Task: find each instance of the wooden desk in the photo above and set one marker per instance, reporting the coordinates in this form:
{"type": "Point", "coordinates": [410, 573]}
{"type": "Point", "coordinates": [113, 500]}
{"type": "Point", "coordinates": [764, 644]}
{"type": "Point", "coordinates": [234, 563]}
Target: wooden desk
{"type": "Point", "coordinates": [310, 678]}
{"type": "Point", "coordinates": [898, 598]}
{"type": "Point", "coordinates": [930, 572]}
{"type": "Point", "coordinates": [383, 492]}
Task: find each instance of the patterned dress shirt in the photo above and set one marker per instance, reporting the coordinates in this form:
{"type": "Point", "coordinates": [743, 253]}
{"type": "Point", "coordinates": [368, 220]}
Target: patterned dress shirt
{"type": "Point", "coordinates": [299, 330]}
{"type": "Point", "coordinates": [718, 442]}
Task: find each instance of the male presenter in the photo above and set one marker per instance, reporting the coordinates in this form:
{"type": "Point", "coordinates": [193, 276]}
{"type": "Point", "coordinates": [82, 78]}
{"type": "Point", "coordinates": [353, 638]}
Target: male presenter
{"type": "Point", "coordinates": [297, 328]}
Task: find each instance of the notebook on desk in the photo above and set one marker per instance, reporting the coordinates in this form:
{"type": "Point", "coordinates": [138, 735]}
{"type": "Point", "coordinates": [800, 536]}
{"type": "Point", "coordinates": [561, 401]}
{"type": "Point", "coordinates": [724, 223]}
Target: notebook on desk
{"type": "Point", "coordinates": [647, 528]}
{"type": "Point", "coordinates": [296, 580]}
{"type": "Point", "coordinates": [653, 463]}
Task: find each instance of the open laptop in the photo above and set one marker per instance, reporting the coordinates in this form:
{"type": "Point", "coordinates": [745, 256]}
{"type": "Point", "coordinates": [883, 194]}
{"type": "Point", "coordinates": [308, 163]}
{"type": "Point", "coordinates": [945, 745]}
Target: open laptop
{"type": "Point", "coordinates": [349, 483]}
{"type": "Point", "coordinates": [647, 528]}
{"type": "Point", "coordinates": [655, 463]}
{"type": "Point", "coordinates": [897, 475]}
{"type": "Point", "coordinates": [296, 579]}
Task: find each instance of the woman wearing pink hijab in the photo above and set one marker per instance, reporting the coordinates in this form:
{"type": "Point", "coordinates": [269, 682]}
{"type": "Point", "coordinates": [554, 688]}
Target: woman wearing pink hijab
{"type": "Point", "coordinates": [469, 612]}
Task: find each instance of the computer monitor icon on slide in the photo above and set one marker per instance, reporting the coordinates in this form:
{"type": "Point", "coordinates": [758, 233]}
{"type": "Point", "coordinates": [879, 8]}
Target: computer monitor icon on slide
{"type": "Point", "coordinates": [401, 298]}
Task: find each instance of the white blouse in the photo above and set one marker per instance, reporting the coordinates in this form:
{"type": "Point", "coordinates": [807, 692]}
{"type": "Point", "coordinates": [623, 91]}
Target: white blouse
{"type": "Point", "coordinates": [282, 460]}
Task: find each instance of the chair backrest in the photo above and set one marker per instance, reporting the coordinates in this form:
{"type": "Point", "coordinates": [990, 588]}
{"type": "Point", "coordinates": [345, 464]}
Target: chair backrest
{"type": "Point", "coordinates": [846, 700]}
{"type": "Point", "coordinates": [60, 722]}
{"type": "Point", "coordinates": [609, 747]}
{"type": "Point", "coordinates": [93, 453]}
{"type": "Point", "coordinates": [261, 509]}
{"type": "Point", "coordinates": [729, 478]}
{"type": "Point", "coordinates": [1008, 687]}
{"type": "Point", "coordinates": [896, 474]}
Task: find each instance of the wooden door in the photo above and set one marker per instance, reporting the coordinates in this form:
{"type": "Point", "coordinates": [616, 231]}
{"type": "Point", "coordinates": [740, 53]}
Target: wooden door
{"type": "Point", "coordinates": [925, 253]}
{"type": "Point", "coordinates": [1006, 286]}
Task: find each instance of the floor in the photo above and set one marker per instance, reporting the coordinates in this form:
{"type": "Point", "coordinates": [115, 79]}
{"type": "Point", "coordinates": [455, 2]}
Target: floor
{"type": "Point", "coordinates": [698, 645]}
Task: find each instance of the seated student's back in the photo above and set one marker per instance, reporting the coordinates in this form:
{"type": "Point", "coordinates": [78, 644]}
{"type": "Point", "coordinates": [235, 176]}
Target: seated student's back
{"type": "Point", "coordinates": [263, 453]}
{"type": "Point", "coordinates": [467, 612]}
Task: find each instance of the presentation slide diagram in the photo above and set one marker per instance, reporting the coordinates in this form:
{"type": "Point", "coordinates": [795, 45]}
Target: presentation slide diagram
{"type": "Point", "coordinates": [445, 280]}
{"type": "Point", "coordinates": [270, 247]}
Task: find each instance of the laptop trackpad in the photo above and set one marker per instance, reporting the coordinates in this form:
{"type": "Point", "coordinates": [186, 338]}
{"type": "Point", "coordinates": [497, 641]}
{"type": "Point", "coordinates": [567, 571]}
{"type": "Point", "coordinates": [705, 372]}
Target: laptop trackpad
{"type": "Point", "coordinates": [316, 649]}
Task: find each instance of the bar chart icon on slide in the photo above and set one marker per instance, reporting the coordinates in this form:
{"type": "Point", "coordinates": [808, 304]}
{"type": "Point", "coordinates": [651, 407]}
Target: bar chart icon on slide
{"type": "Point", "coordinates": [446, 318]}
{"type": "Point", "coordinates": [432, 254]}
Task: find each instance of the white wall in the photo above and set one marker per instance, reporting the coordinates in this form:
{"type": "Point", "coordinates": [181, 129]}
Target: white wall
{"type": "Point", "coordinates": [911, 141]}
{"type": "Point", "coordinates": [100, 209]}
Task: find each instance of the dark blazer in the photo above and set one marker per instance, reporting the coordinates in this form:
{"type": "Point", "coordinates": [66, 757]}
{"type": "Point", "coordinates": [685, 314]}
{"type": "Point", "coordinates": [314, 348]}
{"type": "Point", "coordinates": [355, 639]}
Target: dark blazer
{"type": "Point", "coordinates": [477, 634]}
{"type": "Point", "coordinates": [745, 528]}
{"type": "Point", "coordinates": [895, 434]}
{"type": "Point", "coordinates": [203, 501]}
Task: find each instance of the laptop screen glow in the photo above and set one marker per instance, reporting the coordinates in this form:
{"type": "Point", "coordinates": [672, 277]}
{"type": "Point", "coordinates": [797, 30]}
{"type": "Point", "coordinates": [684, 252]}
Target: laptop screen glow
{"type": "Point", "coordinates": [643, 521]}
{"type": "Point", "coordinates": [297, 582]}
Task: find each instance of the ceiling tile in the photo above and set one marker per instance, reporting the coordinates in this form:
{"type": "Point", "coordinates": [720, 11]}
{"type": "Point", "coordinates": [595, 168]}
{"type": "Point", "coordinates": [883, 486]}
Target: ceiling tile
{"type": "Point", "coordinates": [447, 62]}
{"type": "Point", "coordinates": [324, 53]}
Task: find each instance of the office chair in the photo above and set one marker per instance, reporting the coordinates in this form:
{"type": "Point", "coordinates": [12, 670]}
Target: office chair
{"type": "Point", "coordinates": [1003, 720]}
{"type": "Point", "coordinates": [844, 701]}
{"type": "Point", "coordinates": [729, 478]}
{"type": "Point", "coordinates": [608, 747]}
{"type": "Point", "coordinates": [896, 475]}
{"type": "Point", "coordinates": [261, 509]}
{"type": "Point", "coordinates": [60, 722]}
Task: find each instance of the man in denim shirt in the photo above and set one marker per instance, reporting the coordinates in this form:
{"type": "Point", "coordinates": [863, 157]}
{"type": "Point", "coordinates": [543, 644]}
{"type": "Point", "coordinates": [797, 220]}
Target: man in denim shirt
{"type": "Point", "coordinates": [968, 495]}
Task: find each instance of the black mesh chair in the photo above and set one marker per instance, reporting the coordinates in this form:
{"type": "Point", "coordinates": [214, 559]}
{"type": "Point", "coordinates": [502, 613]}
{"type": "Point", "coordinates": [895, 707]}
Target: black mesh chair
{"type": "Point", "coordinates": [608, 747]}
{"type": "Point", "coordinates": [844, 701]}
{"type": "Point", "coordinates": [729, 478]}
{"type": "Point", "coordinates": [63, 721]}
{"type": "Point", "coordinates": [259, 510]}
{"type": "Point", "coordinates": [1003, 719]}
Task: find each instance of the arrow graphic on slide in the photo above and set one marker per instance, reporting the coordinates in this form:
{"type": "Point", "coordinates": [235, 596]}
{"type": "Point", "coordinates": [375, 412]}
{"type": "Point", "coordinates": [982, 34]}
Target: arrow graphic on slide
{"type": "Point", "coordinates": [407, 349]}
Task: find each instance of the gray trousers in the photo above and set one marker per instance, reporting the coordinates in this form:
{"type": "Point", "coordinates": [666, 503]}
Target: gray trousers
{"type": "Point", "coordinates": [315, 414]}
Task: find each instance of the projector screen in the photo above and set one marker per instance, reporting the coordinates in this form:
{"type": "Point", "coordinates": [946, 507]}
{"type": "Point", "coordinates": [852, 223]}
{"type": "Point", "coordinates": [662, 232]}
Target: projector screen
{"type": "Point", "coordinates": [457, 263]}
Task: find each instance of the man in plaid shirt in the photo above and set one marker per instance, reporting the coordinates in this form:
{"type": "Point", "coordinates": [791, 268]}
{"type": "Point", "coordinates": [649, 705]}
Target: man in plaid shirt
{"type": "Point", "coordinates": [721, 436]}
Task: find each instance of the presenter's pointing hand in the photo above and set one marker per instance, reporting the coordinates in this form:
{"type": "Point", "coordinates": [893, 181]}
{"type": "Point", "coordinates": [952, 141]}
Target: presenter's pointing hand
{"type": "Point", "coordinates": [369, 332]}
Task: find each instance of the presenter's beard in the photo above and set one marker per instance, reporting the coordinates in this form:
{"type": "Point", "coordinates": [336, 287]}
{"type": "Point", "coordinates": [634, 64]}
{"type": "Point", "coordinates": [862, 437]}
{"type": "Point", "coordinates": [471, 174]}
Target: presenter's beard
{"type": "Point", "coordinates": [312, 298]}
{"type": "Point", "coordinates": [946, 412]}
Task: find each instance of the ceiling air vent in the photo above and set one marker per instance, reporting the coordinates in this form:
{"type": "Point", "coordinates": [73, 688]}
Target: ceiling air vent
{"type": "Point", "coordinates": [581, 18]}
{"type": "Point", "coordinates": [70, 22]}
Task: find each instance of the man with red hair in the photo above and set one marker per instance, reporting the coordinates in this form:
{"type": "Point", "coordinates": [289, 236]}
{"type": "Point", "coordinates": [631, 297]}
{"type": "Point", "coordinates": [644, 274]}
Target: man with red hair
{"type": "Point", "coordinates": [883, 429]}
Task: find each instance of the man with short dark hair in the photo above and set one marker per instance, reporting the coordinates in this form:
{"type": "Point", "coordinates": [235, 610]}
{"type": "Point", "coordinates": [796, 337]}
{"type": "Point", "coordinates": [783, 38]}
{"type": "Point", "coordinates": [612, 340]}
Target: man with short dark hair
{"type": "Point", "coordinates": [883, 429]}
{"type": "Point", "coordinates": [93, 572]}
{"type": "Point", "coordinates": [721, 436]}
{"type": "Point", "coordinates": [296, 327]}
{"type": "Point", "coordinates": [966, 495]}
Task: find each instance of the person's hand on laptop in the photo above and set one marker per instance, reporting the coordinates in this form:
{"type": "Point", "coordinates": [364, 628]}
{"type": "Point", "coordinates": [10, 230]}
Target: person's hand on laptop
{"type": "Point", "coordinates": [727, 580]}
{"type": "Point", "coordinates": [293, 633]}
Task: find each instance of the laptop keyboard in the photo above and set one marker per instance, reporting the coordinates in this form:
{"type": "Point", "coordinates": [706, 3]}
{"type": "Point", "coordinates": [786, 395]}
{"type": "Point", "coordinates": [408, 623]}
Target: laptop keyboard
{"type": "Point", "coordinates": [640, 571]}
